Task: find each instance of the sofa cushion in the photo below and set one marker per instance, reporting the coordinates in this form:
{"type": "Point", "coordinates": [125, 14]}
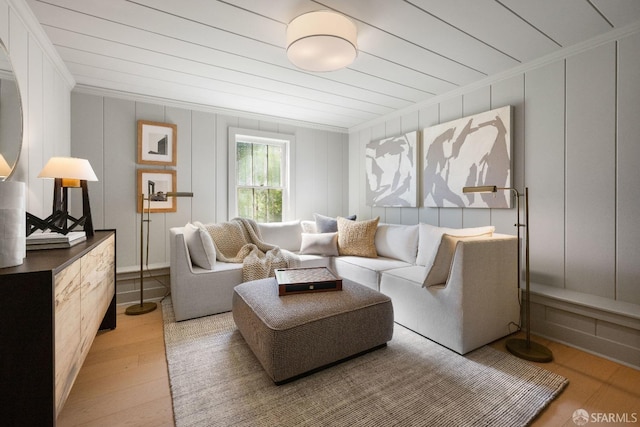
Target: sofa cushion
{"type": "Point", "coordinates": [414, 274]}
{"type": "Point", "coordinates": [202, 251]}
{"type": "Point", "coordinates": [366, 271]}
{"type": "Point", "coordinates": [327, 224]}
{"type": "Point", "coordinates": [397, 241]}
{"type": "Point", "coordinates": [431, 235]}
{"type": "Point", "coordinates": [439, 272]}
{"type": "Point", "coordinates": [285, 235]}
{"type": "Point", "coordinates": [357, 238]}
{"type": "Point", "coordinates": [319, 244]}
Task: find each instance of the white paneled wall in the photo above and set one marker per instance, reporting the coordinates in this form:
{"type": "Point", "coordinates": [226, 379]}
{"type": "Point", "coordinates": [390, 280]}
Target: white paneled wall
{"type": "Point", "coordinates": [576, 148]}
{"type": "Point", "coordinates": [103, 129]}
{"type": "Point", "coordinates": [45, 85]}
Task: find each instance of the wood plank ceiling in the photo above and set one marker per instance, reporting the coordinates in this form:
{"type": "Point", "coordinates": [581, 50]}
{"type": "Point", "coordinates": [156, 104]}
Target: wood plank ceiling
{"type": "Point", "coordinates": [231, 54]}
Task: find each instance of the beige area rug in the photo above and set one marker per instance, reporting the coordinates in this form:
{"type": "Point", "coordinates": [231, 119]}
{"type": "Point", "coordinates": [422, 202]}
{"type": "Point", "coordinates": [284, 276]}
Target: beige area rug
{"type": "Point", "coordinates": [217, 381]}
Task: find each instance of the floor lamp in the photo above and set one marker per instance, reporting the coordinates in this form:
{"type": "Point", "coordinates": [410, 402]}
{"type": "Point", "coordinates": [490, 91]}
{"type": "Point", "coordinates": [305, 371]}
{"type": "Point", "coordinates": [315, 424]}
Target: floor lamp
{"type": "Point", "coordinates": [523, 348]}
{"type": "Point", "coordinates": [147, 307]}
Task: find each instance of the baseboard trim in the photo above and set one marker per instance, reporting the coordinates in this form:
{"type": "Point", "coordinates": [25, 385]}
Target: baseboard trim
{"type": "Point", "coordinates": [607, 328]}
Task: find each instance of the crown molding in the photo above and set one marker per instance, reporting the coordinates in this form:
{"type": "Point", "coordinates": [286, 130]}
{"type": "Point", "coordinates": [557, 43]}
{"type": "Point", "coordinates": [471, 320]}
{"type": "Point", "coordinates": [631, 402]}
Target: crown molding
{"type": "Point", "coordinates": [561, 54]}
{"type": "Point", "coordinates": [27, 17]}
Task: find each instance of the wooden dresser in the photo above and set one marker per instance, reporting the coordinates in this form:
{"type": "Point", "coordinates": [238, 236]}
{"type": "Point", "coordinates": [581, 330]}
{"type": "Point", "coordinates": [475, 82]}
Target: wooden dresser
{"type": "Point", "coordinates": [50, 310]}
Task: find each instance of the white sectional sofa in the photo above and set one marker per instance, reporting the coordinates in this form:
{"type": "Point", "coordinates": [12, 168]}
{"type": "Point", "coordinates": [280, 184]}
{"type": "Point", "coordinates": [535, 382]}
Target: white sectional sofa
{"type": "Point", "coordinates": [456, 287]}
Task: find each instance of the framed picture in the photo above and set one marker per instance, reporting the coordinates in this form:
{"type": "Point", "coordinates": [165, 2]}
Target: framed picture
{"type": "Point", "coordinates": [156, 182]}
{"type": "Point", "coordinates": [391, 167]}
{"type": "Point", "coordinates": [157, 143]}
{"type": "Point", "coordinates": [468, 152]}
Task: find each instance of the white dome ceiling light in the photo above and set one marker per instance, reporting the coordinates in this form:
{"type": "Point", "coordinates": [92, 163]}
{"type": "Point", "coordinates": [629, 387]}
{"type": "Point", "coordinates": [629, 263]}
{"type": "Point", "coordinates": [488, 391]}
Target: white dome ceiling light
{"type": "Point", "coordinates": [321, 41]}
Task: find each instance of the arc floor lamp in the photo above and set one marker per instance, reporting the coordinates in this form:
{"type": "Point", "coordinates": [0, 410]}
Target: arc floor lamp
{"type": "Point", "coordinates": [523, 348]}
{"type": "Point", "coordinates": [147, 307]}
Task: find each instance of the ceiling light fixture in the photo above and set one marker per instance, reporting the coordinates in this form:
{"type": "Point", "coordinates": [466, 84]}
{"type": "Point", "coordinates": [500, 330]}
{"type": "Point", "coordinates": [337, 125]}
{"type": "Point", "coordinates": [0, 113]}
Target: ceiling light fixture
{"type": "Point", "coordinates": [321, 41]}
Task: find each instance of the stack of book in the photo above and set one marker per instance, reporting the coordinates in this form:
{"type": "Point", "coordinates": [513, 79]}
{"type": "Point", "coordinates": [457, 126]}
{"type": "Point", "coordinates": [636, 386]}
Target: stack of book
{"type": "Point", "coordinates": [49, 240]}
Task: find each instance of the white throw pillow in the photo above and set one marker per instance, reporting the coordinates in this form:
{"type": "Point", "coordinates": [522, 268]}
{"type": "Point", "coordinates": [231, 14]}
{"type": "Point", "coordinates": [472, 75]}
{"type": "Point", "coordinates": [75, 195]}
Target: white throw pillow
{"type": "Point", "coordinates": [285, 235]}
{"type": "Point", "coordinates": [430, 237]}
{"type": "Point", "coordinates": [397, 241]}
{"type": "Point", "coordinates": [439, 272]}
{"type": "Point", "coordinates": [319, 244]}
{"type": "Point", "coordinates": [201, 248]}
{"type": "Point", "coordinates": [308, 226]}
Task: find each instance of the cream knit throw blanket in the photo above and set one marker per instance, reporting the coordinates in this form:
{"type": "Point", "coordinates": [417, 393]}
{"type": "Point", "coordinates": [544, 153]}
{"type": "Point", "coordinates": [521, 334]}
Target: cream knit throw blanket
{"type": "Point", "coordinates": [239, 241]}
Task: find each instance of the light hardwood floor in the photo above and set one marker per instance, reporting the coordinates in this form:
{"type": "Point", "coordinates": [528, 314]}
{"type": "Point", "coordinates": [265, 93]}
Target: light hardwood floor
{"type": "Point", "coordinates": [124, 381]}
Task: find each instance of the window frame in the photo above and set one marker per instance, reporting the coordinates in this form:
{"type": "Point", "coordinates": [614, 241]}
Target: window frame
{"type": "Point", "coordinates": [286, 141]}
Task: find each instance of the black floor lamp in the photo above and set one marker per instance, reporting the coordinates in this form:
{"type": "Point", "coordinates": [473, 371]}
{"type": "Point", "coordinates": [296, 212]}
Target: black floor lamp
{"type": "Point", "coordinates": [523, 348]}
{"type": "Point", "coordinates": [147, 307]}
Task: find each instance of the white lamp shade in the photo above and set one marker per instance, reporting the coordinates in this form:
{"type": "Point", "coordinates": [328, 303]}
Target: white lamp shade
{"type": "Point", "coordinates": [69, 168]}
{"type": "Point", "coordinates": [321, 41]}
{"type": "Point", "coordinates": [5, 169]}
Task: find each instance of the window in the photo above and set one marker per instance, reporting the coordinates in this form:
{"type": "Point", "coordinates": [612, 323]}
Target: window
{"type": "Point", "coordinates": [258, 175]}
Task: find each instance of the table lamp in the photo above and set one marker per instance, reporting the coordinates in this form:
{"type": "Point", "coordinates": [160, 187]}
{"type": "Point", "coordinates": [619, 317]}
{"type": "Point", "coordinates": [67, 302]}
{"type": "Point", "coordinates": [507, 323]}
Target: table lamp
{"type": "Point", "coordinates": [523, 348]}
{"type": "Point", "coordinates": [5, 169]}
{"type": "Point", "coordinates": [67, 172]}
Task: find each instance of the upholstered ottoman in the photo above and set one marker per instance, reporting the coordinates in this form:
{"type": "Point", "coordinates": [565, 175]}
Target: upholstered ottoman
{"type": "Point", "coordinates": [295, 334]}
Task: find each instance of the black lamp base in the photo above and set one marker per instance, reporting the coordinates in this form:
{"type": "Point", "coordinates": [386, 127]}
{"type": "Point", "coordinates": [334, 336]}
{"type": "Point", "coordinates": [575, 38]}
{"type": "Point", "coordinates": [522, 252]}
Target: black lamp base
{"type": "Point", "coordinates": [529, 350]}
{"type": "Point", "coordinates": [143, 308]}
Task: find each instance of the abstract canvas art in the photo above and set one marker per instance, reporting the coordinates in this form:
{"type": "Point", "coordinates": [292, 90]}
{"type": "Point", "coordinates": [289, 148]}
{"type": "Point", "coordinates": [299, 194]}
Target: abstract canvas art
{"type": "Point", "coordinates": [472, 151]}
{"type": "Point", "coordinates": [391, 168]}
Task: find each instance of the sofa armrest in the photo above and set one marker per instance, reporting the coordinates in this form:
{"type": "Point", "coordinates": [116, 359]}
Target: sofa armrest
{"type": "Point", "coordinates": [195, 291]}
{"type": "Point", "coordinates": [486, 273]}
{"type": "Point", "coordinates": [490, 260]}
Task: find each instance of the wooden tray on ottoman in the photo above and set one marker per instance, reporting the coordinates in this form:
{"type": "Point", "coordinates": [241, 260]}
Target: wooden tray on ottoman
{"type": "Point", "coordinates": [304, 280]}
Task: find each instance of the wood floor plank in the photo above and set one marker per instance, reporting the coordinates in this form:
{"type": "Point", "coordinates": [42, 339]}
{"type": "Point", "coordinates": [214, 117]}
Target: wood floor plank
{"type": "Point", "coordinates": [109, 405]}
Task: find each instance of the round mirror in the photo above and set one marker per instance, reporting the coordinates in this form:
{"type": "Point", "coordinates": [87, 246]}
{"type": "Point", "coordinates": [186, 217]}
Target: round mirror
{"type": "Point", "coordinates": [10, 116]}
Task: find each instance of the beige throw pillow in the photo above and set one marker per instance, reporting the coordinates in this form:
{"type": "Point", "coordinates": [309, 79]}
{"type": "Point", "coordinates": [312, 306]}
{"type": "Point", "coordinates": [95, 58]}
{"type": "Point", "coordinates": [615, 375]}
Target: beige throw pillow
{"type": "Point", "coordinates": [357, 237]}
{"type": "Point", "coordinates": [439, 272]}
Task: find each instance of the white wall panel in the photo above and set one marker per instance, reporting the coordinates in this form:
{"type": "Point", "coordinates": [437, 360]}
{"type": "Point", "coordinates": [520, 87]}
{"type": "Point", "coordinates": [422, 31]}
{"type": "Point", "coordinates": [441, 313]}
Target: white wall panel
{"type": "Point", "coordinates": [628, 172]}
{"type": "Point", "coordinates": [119, 124]}
{"type": "Point", "coordinates": [203, 160]}
{"type": "Point", "coordinates": [222, 165]}
{"type": "Point", "coordinates": [320, 186]}
{"type": "Point", "coordinates": [591, 180]}
{"type": "Point", "coordinates": [87, 142]}
{"type": "Point", "coordinates": [304, 153]}
{"type": "Point", "coordinates": [337, 174]}
{"type": "Point", "coordinates": [544, 151]}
